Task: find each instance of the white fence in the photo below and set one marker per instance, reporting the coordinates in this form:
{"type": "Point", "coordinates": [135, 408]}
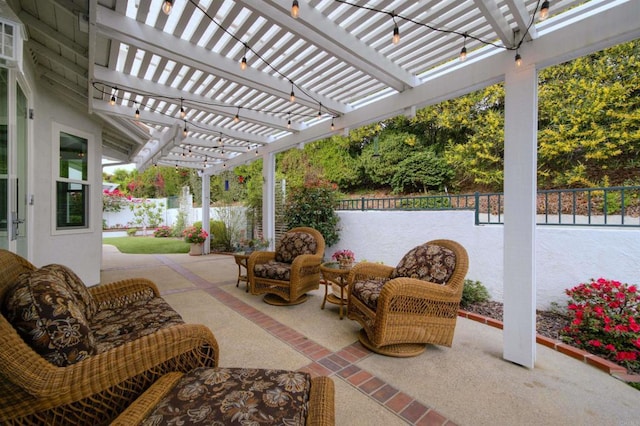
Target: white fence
{"type": "Point", "coordinates": [565, 256]}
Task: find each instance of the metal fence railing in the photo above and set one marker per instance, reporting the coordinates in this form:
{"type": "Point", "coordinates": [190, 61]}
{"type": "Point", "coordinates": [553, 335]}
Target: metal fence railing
{"type": "Point", "coordinates": [606, 206]}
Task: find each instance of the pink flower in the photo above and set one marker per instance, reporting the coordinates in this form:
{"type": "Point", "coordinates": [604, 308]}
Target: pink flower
{"type": "Point", "coordinates": [610, 347]}
{"type": "Point", "coordinates": [596, 343]}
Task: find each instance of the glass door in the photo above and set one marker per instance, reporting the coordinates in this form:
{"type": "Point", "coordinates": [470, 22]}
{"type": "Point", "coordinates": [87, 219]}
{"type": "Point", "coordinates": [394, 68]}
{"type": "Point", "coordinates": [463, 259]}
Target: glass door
{"type": "Point", "coordinates": [13, 165]}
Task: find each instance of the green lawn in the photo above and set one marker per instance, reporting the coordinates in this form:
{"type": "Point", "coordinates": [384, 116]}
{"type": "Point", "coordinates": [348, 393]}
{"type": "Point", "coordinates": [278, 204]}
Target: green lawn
{"type": "Point", "coordinates": [148, 245]}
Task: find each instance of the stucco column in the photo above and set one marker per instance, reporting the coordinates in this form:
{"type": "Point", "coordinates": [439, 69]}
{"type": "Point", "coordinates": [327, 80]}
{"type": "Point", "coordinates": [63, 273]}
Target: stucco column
{"type": "Point", "coordinates": [269, 197]}
{"type": "Point", "coordinates": [206, 202]}
{"type": "Point", "coordinates": [520, 163]}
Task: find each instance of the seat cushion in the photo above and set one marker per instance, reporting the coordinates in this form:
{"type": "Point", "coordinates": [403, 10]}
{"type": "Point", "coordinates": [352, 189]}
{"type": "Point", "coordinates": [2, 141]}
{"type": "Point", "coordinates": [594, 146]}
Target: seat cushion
{"type": "Point", "coordinates": [293, 244]}
{"type": "Point", "coordinates": [368, 291]}
{"type": "Point", "coordinates": [49, 317]}
{"type": "Point", "coordinates": [427, 262]}
{"type": "Point", "coordinates": [235, 396]}
{"type": "Point", "coordinates": [116, 326]}
{"type": "Point", "coordinates": [273, 270]}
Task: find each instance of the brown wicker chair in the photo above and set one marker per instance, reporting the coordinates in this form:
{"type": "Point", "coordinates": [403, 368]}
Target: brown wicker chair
{"type": "Point", "coordinates": [401, 314]}
{"type": "Point", "coordinates": [96, 389]}
{"type": "Point", "coordinates": [288, 273]}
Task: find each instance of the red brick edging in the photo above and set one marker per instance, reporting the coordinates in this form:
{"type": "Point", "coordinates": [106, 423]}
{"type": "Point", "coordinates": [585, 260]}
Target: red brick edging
{"type": "Point", "coordinates": [605, 365]}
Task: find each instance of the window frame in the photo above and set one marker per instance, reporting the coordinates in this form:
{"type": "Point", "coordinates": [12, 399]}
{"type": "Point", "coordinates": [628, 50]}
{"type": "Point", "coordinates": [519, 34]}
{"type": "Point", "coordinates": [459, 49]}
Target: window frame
{"type": "Point", "coordinates": [57, 131]}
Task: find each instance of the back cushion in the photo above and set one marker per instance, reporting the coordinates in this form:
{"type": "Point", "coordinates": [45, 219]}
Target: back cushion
{"type": "Point", "coordinates": [49, 318]}
{"type": "Point", "coordinates": [84, 298]}
{"type": "Point", "coordinates": [427, 262]}
{"type": "Point", "coordinates": [293, 244]}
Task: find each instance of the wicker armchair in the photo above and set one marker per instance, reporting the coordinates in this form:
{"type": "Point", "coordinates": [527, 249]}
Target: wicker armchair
{"type": "Point", "coordinates": [96, 389]}
{"type": "Point", "coordinates": [285, 275]}
{"type": "Point", "coordinates": [402, 309]}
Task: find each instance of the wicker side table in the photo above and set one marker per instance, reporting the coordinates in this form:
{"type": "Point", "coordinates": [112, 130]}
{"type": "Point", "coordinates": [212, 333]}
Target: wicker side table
{"type": "Point", "coordinates": [333, 273]}
{"type": "Point", "coordinates": [242, 260]}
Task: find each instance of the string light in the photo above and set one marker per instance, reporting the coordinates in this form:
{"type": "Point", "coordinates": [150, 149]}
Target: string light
{"type": "Point", "coordinates": [518, 59]}
{"type": "Point", "coordinates": [396, 32]}
{"type": "Point", "coordinates": [333, 126]}
{"type": "Point", "coordinates": [185, 131]}
{"type": "Point", "coordinates": [183, 113]}
{"type": "Point", "coordinates": [319, 110]}
{"type": "Point", "coordinates": [243, 62]}
{"type": "Point", "coordinates": [292, 96]}
{"type": "Point", "coordinates": [167, 5]}
{"type": "Point", "coordinates": [112, 101]}
{"type": "Point", "coordinates": [463, 51]}
{"type": "Point", "coordinates": [176, 167]}
{"type": "Point", "coordinates": [137, 114]}
{"type": "Point", "coordinates": [237, 116]}
{"type": "Point", "coordinates": [295, 9]}
{"type": "Point", "coordinates": [544, 11]}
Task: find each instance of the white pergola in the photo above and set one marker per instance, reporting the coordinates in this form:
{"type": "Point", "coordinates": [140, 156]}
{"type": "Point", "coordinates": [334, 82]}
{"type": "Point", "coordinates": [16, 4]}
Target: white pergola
{"type": "Point", "coordinates": [136, 67]}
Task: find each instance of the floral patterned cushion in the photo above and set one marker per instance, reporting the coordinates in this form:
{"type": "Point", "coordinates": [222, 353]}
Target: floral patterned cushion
{"type": "Point", "coordinates": [235, 396]}
{"type": "Point", "coordinates": [368, 291]}
{"type": "Point", "coordinates": [74, 283]}
{"type": "Point", "coordinates": [273, 270]}
{"type": "Point", "coordinates": [293, 244]}
{"type": "Point", "coordinates": [48, 316]}
{"type": "Point", "coordinates": [116, 326]}
{"type": "Point", "coordinates": [427, 262]}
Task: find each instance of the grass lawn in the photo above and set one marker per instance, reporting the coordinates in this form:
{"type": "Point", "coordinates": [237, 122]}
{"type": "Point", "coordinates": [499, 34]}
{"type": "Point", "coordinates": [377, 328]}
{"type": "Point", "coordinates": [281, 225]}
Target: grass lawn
{"type": "Point", "coordinates": [148, 245]}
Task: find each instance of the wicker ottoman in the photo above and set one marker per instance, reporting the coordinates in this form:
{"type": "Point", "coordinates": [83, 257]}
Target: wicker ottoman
{"type": "Point", "coordinates": [229, 396]}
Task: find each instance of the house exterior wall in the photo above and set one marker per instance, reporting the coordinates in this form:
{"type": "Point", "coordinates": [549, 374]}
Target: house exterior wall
{"type": "Point", "coordinates": [80, 250]}
{"type": "Point", "coordinates": [565, 256]}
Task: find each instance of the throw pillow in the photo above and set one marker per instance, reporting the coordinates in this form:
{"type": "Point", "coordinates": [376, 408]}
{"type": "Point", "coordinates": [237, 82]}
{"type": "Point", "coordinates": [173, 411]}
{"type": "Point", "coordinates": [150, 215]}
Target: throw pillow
{"type": "Point", "coordinates": [85, 299]}
{"type": "Point", "coordinates": [49, 318]}
{"type": "Point", "coordinates": [427, 262]}
{"type": "Point", "coordinates": [293, 244]}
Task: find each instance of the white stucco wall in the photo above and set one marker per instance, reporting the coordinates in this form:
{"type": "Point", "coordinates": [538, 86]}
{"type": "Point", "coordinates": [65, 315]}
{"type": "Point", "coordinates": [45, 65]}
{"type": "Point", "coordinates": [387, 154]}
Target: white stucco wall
{"type": "Point", "coordinates": [80, 250]}
{"type": "Point", "coordinates": [565, 256]}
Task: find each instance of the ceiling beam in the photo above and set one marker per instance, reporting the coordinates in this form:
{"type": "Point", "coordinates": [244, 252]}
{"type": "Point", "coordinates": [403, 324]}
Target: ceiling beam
{"type": "Point", "coordinates": [49, 54]}
{"type": "Point", "coordinates": [50, 33]}
{"type": "Point", "coordinates": [494, 17]}
{"type": "Point", "coordinates": [113, 25]}
{"type": "Point", "coordinates": [150, 88]}
{"type": "Point", "coordinates": [315, 28]}
{"type": "Point", "coordinates": [523, 19]}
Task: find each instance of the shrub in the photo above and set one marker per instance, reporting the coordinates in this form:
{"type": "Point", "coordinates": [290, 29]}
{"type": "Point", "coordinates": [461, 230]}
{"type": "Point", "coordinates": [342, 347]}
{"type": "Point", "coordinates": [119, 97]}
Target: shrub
{"type": "Point", "coordinates": [313, 205]}
{"type": "Point", "coordinates": [605, 321]}
{"type": "Point", "coordinates": [473, 292]}
{"type": "Point", "coordinates": [131, 232]}
{"type": "Point", "coordinates": [163, 232]}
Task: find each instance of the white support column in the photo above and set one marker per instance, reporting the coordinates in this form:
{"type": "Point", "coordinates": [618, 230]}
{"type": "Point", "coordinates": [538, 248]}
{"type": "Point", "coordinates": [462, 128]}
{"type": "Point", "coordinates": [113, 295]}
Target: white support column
{"type": "Point", "coordinates": [269, 197]}
{"type": "Point", "coordinates": [206, 202]}
{"type": "Point", "coordinates": [520, 164]}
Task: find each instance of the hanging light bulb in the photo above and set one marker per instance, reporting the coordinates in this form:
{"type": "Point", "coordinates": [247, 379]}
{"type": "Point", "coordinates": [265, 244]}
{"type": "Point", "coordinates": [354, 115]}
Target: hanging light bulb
{"type": "Point", "coordinates": [224, 165]}
{"type": "Point", "coordinates": [463, 51]}
{"type": "Point", "coordinates": [289, 124]}
{"type": "Point", "coordinates": [112, 101]}
{"type": "Point", "coordinates": [518, 59]}
{"type": "Point", "coordinates": [189, 151]}
{"type": "Point", "coordinates": [544, 11]}
{"type": "Point", "coordinates": [205, 161]}
{"type": "Point", "coordinates": [256, 151]}
{"type": "Point", "coordinates": [237, 116]}
{"type": "Point", "coordinates": [182, 152]}
{"type": "Point", "coordinates": [319, 110]}
{"type": "Point", "coordinates": [243, 62]}
{"type": "Point", "coordinates": [295, 9]}
{"type": "Point", "coordinates": [183, 113]}
{"type": "Point", "coordinates": [333, 126]}
{"type": "Point", "coordinates": [176, 167]}
{"type": "Point", "coordinates": [396, 32]}
{"type": "Point", "coordinates": [167, 5]}
{"type": "Point", "coordinates": [185, 131]}
{"type": "Point", "coordinates": [137, 114]}
{"type": "Point", "coordinates": [292, 96]}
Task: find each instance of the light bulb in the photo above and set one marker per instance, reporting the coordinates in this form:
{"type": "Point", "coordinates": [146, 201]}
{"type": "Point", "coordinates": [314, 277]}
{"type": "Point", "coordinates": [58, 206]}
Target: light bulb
{"type": "Point", "coordinates": [112, 101]}
{"type": "Point", "coordinates": [183, 113]}
{"type": "Point", "coordinates": [333, 126]}
{"type": "Point", "coordinates": [544, 11]}
{"type": "Point", "coordinates": [518, 60]}
{"type": "Point", "coordinates": [396, 34]}
{"type": "Point", "coordinates": [463, 54]}
{"type": "Point", "coordinates": [295, 9]}
{"type": "Point", "coordinates": [137, 115]}
{"type": "Point", "coordinates": [292, 96]}
{"type": "Point", "coordinates": [236, 118]}
{"type": "Point", "coordinates": [185, 131]}
{"type": "Point", "coordinates": [289, 124]}
{"type": "Point", "coordinates": [243, 63]}
{"type": "Point", "coordinates": [167, 5]}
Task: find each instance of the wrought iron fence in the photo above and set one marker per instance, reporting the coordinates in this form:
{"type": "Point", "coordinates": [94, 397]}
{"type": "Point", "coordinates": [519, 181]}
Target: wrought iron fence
{"type": "Point", "coordinates": [606, 206]}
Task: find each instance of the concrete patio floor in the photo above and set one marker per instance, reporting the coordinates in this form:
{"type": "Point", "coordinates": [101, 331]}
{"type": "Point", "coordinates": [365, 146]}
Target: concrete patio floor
{"type": "Point", "coordinates": [467, 384]}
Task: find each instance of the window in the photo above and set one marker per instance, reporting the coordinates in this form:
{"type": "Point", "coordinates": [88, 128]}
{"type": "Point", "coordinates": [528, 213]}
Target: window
{"type": "Point", "coordinates": [72, 185]}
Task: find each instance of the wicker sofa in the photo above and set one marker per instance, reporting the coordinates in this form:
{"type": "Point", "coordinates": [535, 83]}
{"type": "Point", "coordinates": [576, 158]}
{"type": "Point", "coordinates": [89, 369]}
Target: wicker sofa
{"type": "Point", "coordinates": [100, 348]}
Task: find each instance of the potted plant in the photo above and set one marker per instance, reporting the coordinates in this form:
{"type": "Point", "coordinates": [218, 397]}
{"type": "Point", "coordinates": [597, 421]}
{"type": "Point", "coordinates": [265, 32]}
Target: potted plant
{"type": "Point", "coordinates": [250, 245]}
{"type": "Point", "coordinates": [345, 258]}
{"type": "Point", "coordinates": [195, 236]}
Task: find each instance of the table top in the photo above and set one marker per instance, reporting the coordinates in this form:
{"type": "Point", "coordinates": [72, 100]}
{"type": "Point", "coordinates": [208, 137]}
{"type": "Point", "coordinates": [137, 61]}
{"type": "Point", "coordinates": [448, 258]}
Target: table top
{"type": "Point", "coordinates": [333, 272]}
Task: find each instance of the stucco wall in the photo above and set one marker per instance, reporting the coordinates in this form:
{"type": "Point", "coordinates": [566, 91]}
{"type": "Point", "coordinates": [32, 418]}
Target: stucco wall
{"type": "Point", "coordinates": [81, 250]}
{"type": "Point", "coordinates": [565, 256]}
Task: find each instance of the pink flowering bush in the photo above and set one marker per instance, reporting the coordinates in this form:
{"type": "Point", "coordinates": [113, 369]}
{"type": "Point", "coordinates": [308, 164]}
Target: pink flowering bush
{"type": "Point", "coordinates": [605, 321]}
{"type": "Point", "coordinates": [195, 235]}
{"type": "Point", "coordinates": [163, 232]}
{"type": "Point", "coordinates": [344, 255]}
